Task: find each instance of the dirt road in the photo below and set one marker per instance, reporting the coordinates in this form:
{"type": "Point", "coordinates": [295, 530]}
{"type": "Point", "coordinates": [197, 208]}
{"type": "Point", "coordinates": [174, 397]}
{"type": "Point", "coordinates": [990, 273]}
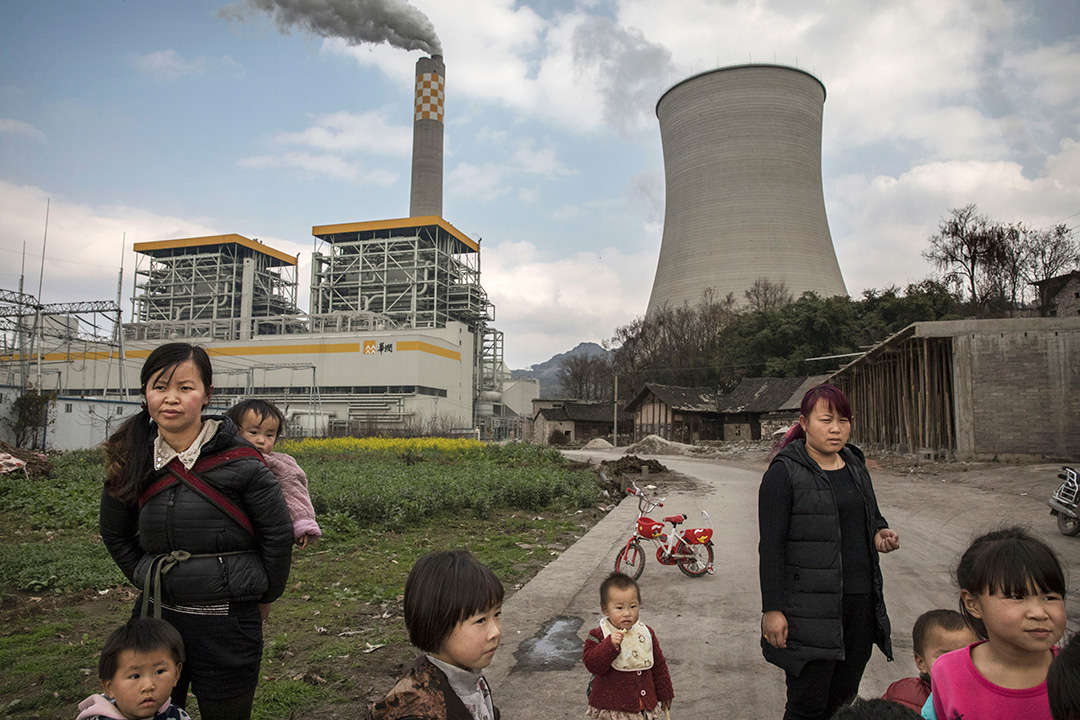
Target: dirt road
{"type": "Point", "coordinates": [709, 627]}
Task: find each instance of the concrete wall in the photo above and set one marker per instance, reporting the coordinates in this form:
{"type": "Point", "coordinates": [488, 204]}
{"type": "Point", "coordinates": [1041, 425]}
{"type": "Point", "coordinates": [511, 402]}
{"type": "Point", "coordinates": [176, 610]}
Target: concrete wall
{"type": "Point", "coordinates": [1017, 385]}
{"type": "Point", "coordinates": [742, 165]}
{"type": "Point", "coordinates": [1067, 300]}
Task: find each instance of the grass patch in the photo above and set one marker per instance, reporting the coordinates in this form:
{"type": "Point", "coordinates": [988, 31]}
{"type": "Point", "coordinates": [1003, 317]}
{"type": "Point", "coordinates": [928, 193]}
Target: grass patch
{"type": "Point", "coordinates": [381, 506]}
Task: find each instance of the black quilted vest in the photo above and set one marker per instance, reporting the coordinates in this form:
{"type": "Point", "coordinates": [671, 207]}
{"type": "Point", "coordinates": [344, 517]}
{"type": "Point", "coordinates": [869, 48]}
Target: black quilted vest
{"type": "Point", "coordinates": [813, 586]}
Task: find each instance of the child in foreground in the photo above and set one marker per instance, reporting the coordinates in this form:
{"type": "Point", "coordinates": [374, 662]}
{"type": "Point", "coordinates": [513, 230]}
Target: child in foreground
{"type": "Point", "coordinates": [139, 667]}
{"type": "Point", "coordinates": [935, 633]}
{"type": "Point", "coordinates": [631, 677]}
{"type": "Point", "coordinates": [1063, 682]}
{"type": "Point", "coordinates": [261, 424]}
{"type": "Point", "coordinates": [1012, 594]}
{"type": "Point", "coordinates": [453, 611]}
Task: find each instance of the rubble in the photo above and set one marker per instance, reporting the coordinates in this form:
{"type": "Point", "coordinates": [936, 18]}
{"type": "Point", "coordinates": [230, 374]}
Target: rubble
{"type": "Point", "coordinates": [656, 445]}
{"type": "Point", "coordinates": [632, 464]}
{"type": "Point", "coordinates": [598, 444]}
{"type": "Point", "coordinates": [37, 465]}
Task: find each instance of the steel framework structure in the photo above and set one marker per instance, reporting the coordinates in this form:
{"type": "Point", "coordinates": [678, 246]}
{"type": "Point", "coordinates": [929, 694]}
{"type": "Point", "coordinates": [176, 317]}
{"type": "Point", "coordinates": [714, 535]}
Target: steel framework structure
{"type": "Point", "coordinates": [219, 287]}
{"type": "Point", "coordinates": [419, 272]}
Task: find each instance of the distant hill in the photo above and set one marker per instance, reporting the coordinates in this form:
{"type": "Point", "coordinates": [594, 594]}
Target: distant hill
{"type": "Point", "coordinates": [547, 372]}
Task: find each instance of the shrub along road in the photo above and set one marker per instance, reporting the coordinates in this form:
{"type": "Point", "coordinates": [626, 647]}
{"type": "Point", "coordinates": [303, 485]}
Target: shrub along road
{"type": "Point", "coordinates": [709, 628]}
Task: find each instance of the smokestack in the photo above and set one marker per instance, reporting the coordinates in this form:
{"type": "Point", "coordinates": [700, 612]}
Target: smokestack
{"type": "Point", "coordinates": [427, 154]}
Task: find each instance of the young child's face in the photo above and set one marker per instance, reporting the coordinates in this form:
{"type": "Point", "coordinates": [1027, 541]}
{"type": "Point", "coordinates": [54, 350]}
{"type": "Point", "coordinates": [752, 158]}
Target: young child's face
{"type": "Point", "coordinates": [622, 607]}
{"type": "Point", "coordinates": [474, 640]}
{"type": "Point", "coordinates": [940, 641]}
{"type": "Point", "coordinates": [143, 682]}
{"type": "Point", "coordinates": [260, 432]}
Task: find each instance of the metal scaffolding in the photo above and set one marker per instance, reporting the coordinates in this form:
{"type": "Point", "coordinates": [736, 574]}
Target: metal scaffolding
{"type": "Point", "coordinates": [222, 287]}
{"type": "Point", "coordinates": [418, 275]}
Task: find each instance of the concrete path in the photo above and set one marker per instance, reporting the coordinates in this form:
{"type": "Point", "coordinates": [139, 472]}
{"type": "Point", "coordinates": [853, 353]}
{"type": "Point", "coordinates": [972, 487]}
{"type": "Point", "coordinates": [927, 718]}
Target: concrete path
{"type": "Point", "coordinates": [709, 627]}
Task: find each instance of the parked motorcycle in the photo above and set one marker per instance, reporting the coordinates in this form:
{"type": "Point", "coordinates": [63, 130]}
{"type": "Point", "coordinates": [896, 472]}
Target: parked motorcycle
{"type": "Point", "coordinates": [1063, 504]}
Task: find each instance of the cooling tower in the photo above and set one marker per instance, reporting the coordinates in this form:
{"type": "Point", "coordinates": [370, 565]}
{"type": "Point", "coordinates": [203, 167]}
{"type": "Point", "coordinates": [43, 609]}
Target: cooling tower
{"type": "Point", "coordinates": [427, 154]}
{"type": "Point", "coordinates": [742, 164]}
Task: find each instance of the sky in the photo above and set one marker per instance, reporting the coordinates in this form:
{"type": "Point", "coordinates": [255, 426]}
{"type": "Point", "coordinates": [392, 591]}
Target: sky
{"type": "Point", "coordinates": [127, 122]}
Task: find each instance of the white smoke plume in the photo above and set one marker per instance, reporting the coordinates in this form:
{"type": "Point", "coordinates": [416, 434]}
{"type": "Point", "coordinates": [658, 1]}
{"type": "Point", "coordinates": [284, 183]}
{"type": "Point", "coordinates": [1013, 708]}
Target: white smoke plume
{"type": "Point", "coordinates": [356, 21]}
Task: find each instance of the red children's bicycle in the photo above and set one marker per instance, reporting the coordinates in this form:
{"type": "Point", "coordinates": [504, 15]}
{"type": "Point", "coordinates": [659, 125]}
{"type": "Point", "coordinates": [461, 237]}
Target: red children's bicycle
{"type": "Point", "coordinates": [691, 549]}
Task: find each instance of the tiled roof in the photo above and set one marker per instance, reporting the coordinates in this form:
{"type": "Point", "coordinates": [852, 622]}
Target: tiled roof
{"type": "Point", "coordinates": [761, 395]}
{"type": "Point", "coordinates": [685, 399]}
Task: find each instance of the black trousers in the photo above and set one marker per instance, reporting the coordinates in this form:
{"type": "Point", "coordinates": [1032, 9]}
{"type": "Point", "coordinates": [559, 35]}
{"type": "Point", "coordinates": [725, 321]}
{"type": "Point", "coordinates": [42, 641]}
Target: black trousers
{"type": "Point", "coordinates": [824, 685]}
{"type": "Point", "coordinates": [223, 654]}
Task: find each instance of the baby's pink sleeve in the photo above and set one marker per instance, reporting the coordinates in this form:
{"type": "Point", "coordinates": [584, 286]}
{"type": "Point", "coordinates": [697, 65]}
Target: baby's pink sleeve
{"type": "Point", "coordinates": [294, 486]}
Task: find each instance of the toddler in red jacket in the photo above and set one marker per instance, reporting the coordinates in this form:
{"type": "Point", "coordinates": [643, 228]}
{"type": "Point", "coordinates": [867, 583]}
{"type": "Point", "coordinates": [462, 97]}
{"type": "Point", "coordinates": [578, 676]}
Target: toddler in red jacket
{"type": "Point", "coordinates": [630, 675]}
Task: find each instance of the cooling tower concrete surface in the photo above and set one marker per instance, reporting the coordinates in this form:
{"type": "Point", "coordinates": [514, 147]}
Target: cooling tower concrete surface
{"type": "Point", "coordinates": [427, 156]}
{"type": "Point", "coordinates": [742, 162]}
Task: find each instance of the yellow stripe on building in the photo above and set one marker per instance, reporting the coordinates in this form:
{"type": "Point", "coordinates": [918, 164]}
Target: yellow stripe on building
{"type": "Point", "coordinates": [421, 346]}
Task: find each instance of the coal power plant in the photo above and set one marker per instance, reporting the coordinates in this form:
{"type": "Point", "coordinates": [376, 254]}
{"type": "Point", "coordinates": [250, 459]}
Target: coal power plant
{"type": "Point", "coordinates": [742, 166]}
{"type": "Point", "coordinates": [398, 335]}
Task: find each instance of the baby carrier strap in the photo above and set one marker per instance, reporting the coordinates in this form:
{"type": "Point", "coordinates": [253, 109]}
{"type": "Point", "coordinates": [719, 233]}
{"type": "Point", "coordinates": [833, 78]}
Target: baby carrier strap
{"type": "Point", "coordinates": [211, 494]}
{"type": "Point", "coordinates": [180, 474]}
{"type": "Point", "coordinates": [205, 462]}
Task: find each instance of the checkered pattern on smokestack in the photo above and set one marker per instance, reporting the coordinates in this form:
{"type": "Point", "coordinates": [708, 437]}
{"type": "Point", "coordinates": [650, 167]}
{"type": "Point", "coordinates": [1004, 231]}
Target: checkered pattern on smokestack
{"type": "Point", "coordinates": [429, 96]}
{"type": "Point", "coordinates": [427, 159]}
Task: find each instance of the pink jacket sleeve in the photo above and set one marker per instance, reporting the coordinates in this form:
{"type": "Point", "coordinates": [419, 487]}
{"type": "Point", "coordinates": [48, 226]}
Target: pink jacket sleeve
{"type": "Point", "coordinates": [294, 486]}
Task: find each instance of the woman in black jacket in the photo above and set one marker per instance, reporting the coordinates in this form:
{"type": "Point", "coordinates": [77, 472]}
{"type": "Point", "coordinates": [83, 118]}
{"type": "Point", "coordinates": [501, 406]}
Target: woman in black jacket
{"type": "Point", "coordinates": [194, 518]}
{"type": "Point", "coordinates": [821, 586]}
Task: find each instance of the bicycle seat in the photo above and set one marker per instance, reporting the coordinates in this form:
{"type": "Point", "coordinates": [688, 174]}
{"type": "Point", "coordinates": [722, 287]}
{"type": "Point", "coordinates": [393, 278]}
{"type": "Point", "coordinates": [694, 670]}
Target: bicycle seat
{"type": "Point", "coordinates": [675, 519]}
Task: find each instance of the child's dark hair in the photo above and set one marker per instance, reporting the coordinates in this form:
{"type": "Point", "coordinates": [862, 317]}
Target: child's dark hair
{"type": "Point", "coordinates": [876, 709]}
{"type": "Point", "coordinates": [443, 589]}
{"type": "Point", "coordinates": [944, 619]}
{"type": "Point", "coordinates": [140, 635]}
{"type": "Point", "coordinates": [1009, 561]}
{"type": "Point", "coordinates": [1063, 682]}
{"type": "Point", "coordinates": [262, 410]}
{"type": "Point", "coordinates": [127, 451]}
{"type": "Point", "coordinates": [619, 581]}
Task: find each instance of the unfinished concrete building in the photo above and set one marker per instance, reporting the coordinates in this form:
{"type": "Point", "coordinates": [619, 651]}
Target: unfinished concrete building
{"type": "Point", "coordinates": [970, 388]}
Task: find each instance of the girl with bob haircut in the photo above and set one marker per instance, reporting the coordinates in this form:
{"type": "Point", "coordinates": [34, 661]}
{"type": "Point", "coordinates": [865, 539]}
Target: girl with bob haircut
{"type": "Point", "coordinates": [193, 517]}
{"type": "Point", "coordinates": [823, 604]}
{"type": "Point", "coordinates": [1012, 594]}
{"type": "Point", "coordinates": [453, 610]}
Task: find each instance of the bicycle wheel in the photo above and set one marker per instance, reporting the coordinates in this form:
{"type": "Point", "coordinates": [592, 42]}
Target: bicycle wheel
{"type": "Point", "coordinates": [700, 563]}
{"type": "Point", "coordinates": [1068, 525]}
{"type": "Point", "coordinates": [631, 560]}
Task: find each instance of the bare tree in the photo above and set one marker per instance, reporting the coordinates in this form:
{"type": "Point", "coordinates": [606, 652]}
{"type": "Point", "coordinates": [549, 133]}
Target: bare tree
{"type": "Point", "coordinates": [767, 295]}
{"type": "Point", "coordinates": [586, 377]}
{"type": "Point", "coordinates": [963, 249]}
{"type": "Point", "coordinates": [1051, 253]}
{"type": "Point", "coordinates": [1006, 263]}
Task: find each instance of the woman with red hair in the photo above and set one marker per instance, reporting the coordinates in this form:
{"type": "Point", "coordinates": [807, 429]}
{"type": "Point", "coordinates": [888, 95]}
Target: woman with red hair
{"type": "Point", "coordinates": [821, 533]}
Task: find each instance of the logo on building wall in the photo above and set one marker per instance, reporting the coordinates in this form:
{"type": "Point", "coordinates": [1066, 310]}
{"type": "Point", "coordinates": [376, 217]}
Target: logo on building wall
{"type": "Point", "coordinates": [372, 347]}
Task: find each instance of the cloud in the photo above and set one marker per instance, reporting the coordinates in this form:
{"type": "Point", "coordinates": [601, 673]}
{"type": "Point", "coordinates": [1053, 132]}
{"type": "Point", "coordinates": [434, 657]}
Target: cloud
{"type": "Point", "coordinates": [22, 129]}
{"type": "Point", "coordinates": [487, 181]}
{"type": "Point", "coordinates": [328, 165]}
{"type": "Point", "coordinates": [546, 305]}
{"type": "Point", "coordinates": [881, 223]}
{"type": "Point", "coordinates": [624, 69]}
{"type": "Point", "coordinates": [345, 132]}
{"type": "Point", "coordinates": [1048, 72]}
{"type": "Point", "coordinates": [168, 65]}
